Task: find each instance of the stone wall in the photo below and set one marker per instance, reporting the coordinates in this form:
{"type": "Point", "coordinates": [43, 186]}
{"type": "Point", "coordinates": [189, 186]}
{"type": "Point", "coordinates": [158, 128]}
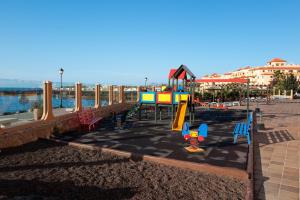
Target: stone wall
{"type": "Point", "coordinates": [18, 135]}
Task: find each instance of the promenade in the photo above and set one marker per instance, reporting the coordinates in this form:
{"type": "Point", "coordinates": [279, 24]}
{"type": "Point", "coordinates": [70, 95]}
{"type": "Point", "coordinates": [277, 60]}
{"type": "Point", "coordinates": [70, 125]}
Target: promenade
{"type": "Point", "coordinates": [276, 153]}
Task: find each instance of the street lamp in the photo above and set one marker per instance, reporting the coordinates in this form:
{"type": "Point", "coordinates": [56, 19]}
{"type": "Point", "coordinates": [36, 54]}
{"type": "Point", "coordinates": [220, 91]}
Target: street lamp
{"type": "Point", "coordinates": [61, 71]}
{"type": "Point", "coordinates": [146, 79]}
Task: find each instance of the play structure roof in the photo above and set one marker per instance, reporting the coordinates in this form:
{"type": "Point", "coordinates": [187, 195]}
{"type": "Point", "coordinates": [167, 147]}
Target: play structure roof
{"type": "Point", "coordinates": [183, 69]}
{"type": "Point", "coordinates": [181, 76]}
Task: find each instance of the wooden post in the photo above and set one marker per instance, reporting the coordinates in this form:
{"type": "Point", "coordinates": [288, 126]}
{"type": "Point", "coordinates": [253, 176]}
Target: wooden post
{"type": "Point", "coordinates": [274, 91]}
{"type": "Point", "coordinates": [78, 97]}
{"type": "Point", "coordinates": [131, 95]}
{"type": "Point", "coordinates": [292, 94]}
{"type": "Point", "coordinates": [121, 94]}
{"type": "Point", "coordinates": [279, 92]}
{"type": "Point", "coordinates": [47, 101]}
{"type": "Point", "coordinates": [153, 88]}
{"type": "Point", "coordinates": [110, 95]}
{"type": "Point", "coordinates": [98, 96]}
{"type": "Point", "coordinates": [138, 90]}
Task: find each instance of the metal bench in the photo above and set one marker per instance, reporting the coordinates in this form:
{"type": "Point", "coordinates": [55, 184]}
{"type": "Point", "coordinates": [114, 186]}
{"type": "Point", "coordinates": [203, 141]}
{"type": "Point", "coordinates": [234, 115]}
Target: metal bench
{"type": "Point", "coordinates": [242, 129]}
{"type": "Point", "coordinates": [88, 120]}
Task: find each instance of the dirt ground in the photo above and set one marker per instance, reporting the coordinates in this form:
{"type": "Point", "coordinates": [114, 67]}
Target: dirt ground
{"type": "Point", "coordinates": [48, 170]}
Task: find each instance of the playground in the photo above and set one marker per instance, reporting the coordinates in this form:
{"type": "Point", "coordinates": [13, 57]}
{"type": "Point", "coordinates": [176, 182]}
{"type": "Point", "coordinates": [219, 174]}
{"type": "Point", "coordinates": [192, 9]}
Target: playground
{"type": "Point", "coordinates": [165, 124]}
{"type": "Point", "coordinates": [89, 168]}
{"type": "Point", "coordinates": [165, 146]}
{"type": "Point", "coordinates": [146, 137]}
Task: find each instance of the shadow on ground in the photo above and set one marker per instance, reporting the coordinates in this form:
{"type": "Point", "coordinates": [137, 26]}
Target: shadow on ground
{"type": "Point", "coordinates": [34, 189]}
{"type": "Point", "coordinates": [149, 138]}
{"type": "Point", "coordinates": [263, 138]}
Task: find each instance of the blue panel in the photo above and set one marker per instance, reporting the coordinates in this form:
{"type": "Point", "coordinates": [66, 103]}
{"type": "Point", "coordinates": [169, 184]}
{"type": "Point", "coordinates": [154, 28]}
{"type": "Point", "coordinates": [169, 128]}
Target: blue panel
{"type": "Point", "coordinates": [185, 129]}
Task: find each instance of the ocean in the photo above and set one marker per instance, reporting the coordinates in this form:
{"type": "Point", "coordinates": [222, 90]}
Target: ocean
{"type": "Point", "coordinates": [17, 103]}
{"type": "Point", "coordinates": [13, 100]}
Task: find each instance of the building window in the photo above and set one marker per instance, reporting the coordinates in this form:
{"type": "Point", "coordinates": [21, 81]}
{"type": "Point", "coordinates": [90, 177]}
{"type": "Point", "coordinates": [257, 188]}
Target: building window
{"type": "Point", "coordinates": [290, 71]}
{"type": "Point", "coordinates": [277, 64]}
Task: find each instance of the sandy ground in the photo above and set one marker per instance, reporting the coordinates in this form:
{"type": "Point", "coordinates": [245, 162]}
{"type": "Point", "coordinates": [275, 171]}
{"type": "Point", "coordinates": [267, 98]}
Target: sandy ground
{"type": "Point", "coordinates": [47, 170]}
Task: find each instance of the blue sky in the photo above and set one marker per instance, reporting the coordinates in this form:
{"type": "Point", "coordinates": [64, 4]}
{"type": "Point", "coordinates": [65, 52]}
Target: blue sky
{"type": "Point", "coordinates": [121, 42]}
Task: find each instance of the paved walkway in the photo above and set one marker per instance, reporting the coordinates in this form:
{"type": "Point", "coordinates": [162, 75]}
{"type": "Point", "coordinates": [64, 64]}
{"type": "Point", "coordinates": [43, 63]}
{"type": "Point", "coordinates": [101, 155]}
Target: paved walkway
{"type": "Point", "coordinates": [27, 117]}
{"type": "Point", "coordinates": [277, 156]}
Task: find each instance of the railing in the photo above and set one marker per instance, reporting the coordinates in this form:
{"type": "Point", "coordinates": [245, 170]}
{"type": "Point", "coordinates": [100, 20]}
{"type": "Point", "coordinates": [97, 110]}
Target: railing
{"type": "Point", "coordinates": [130, 93]}
{"type": "Point", "coordinates": [250, 160]}
{"type": "Point", "coordinates": [43, 104]}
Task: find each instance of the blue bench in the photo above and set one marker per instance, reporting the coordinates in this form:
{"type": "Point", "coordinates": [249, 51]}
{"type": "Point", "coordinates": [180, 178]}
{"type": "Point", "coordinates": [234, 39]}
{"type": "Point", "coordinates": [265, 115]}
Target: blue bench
{"type": "Point", "coordinates": [243, 129]}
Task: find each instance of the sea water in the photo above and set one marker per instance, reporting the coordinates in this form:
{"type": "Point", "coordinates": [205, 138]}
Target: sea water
{"type": "Point", "coordinates": [17, 103]}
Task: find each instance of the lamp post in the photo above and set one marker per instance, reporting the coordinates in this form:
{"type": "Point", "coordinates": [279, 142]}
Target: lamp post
{"type": "Point", "coordinates": [146, 79]}
{"type": "Point", "coordinates": [61, 71]}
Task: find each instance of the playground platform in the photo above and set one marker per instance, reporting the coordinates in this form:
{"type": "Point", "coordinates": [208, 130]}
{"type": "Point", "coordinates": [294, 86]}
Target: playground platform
{"type": "Point", "coordinates": [146, 137]}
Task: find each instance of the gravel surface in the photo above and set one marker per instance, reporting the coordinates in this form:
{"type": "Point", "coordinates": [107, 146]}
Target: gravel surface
{"type": "Point", "coordinates": [48, 170]}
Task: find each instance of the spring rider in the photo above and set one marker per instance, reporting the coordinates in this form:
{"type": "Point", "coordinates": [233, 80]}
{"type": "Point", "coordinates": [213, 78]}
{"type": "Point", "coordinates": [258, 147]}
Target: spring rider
{"type": "Point", "coordinates": [194, 137]}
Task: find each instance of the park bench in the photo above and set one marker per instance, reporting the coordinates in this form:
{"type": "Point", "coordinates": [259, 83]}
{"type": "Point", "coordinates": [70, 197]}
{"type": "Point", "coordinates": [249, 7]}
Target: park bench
{"type": "Point", "coordinates": [7, 121]}
{"type": "Point", "coordinates": [88, 120]}
{"type": "Point", "coordinates": [70, 109]}
{"type": "Point", "coordinates": [236, 103]}
{"type": "Point", "coordinates": [243, 129]}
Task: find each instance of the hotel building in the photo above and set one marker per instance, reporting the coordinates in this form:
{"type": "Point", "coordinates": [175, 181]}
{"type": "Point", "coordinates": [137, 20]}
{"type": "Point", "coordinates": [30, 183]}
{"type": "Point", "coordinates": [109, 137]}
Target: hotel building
{"type": "Point", "coordinates": [260, 76]}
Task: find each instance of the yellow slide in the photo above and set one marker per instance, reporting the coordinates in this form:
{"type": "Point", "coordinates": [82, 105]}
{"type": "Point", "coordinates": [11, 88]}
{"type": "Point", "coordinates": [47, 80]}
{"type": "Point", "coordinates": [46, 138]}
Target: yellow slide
{"type": "Point", "coordinates": [180, 116]}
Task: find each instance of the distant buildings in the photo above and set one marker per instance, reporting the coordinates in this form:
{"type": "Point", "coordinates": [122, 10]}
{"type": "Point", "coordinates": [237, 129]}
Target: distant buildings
{"type": "Point", "coordinates": [259, 76]}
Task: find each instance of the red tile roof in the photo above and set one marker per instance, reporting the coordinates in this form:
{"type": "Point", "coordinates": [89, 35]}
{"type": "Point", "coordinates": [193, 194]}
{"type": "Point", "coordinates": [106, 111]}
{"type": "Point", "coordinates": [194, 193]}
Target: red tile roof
{"type": "Point", "coordinates": [229, 80]}
{"type": "Point", "coordinates": [297, 67]}
{"type": "Point", "coordinates": [215, 75]}
{"type": "Point", "coordinates": [277, 60]}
